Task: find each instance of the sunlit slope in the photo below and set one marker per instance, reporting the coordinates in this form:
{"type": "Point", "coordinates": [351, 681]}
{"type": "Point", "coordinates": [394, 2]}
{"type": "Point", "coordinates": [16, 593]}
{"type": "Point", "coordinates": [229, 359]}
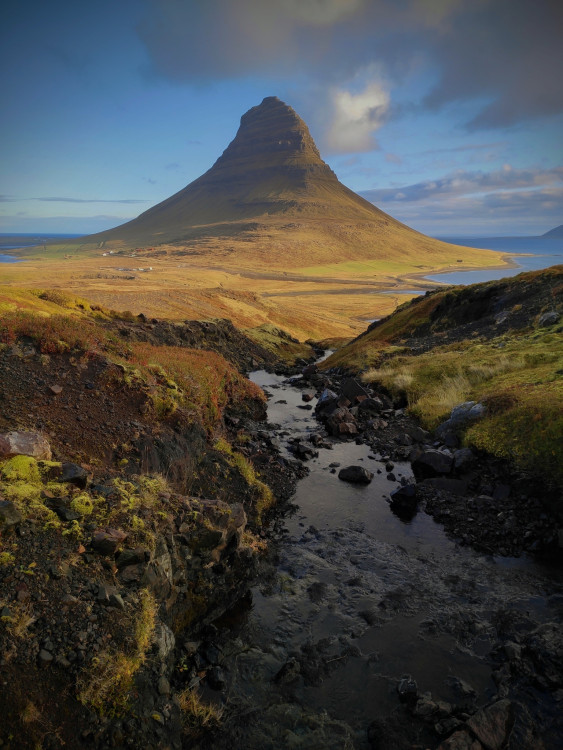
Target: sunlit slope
{"type": "Point", "coordinates": [271, 200]}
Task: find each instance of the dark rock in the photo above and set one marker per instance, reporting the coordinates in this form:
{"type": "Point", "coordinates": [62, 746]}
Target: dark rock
{"type": "Point", "coordinates": [353, 391]}
{"type": "Point", "coordinates": [131, 557]}
{"type": "Point", "coordinates": [61, 506]}
{"type": "Point", "coordinates": [464, 460]}
{"type": "Point", "coordinates": [370, 406]}
{"type": "Point", "coordinates": [163, 686]}
{"type": "Point", "coordinates": [307, 396]}
{"type": "Point", "coordinates": [106, 541]}
{"type": "Point", "coordinates": [448, 484]}
{"type": "Point", "coordinates": [132, 574]}
{"type": "Point", "coordinates": [408, 690]}
{"type": "Point", "coordinates": [9, 515]}
{"type": "Point", "coordinates": [289, 672]}
{"type": "Point", "coordinates": [327, 399]}
{"type": "Point", "coordinates": [216, 678]}
{"type": "Point", "coordinates": [73, 474]}
{"type": "Point", "coordinates": [431, 463]}
{"type": "Point", "coordinates": [460, 740]}
{"type": "Point", "coordinates": [45, 657]}
{"type": "Point", "coordinates": [355, 475]}
{"type": "Point", "coordinates": [492, 725]}
{"type": "Point", "coordinates": [404, 501]}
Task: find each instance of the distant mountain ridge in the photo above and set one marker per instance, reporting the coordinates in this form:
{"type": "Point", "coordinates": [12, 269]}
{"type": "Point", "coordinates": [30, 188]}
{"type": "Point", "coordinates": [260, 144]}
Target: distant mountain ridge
{"type": "Point", "coordinates": [556, 233]}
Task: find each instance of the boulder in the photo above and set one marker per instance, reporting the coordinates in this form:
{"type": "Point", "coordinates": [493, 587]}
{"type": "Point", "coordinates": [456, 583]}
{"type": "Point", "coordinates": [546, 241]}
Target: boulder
{"type": "Point", "coordinates": [371, 405]}
{"type": "Point", "coordinates": [9, 515]}
{"type": "Point", "coordinates": [355, 475]}
{"type": "Point", "coordinates": [106, 541]}
{"type": "Point", "coordinates": [74, 474]}
{"type": "Point", "coordinates": [549, 318]}
{"type": "Point", "coordinates": [25, 444]}
{"type": "Point", "coordinates": [431, 463]}
{"type": "Point", "coordinates": [404, 501]}
{"type": "Point", "coordinates": [408, 690]}
{"type": "Point", "coordinates": [492, 724]}
{"type": "Point", "coordinates": [460, 740]}
{"type": "Point", "coordinates": [461, 416]}
{"type": "Point", "coordinates": [347, 428]}
{"type": "Point", "coordinates": [353, 391]}
{"type": "Point", "coordinates": [464, 460]}
{"type": "Point", "coordinates": [327, 400]}
{"type": "Point", "coordinates": [339, 416]}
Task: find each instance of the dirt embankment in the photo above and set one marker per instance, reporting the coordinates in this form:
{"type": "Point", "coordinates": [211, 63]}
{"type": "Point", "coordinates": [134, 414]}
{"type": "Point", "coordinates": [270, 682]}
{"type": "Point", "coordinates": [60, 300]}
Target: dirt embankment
{"type": "Point", "coordinates": [135, 519]}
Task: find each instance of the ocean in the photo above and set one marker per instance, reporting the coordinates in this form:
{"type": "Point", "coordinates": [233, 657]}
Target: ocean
{"type": "Point", "coordinates": [543, 252]}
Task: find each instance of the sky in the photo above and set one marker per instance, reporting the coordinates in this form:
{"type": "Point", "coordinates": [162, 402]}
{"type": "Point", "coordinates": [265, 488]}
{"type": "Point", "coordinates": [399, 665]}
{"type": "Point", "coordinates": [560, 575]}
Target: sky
{"type": "Point", "coordinates": [447, 114]}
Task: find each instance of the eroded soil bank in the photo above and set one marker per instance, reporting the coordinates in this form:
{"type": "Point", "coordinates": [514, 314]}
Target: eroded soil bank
{"type": "Point", "coordinates": [370, 629]}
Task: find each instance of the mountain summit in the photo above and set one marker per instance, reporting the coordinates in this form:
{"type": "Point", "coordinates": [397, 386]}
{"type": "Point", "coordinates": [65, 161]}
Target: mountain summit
{"type": "Point", "coordinates": [270, 198]}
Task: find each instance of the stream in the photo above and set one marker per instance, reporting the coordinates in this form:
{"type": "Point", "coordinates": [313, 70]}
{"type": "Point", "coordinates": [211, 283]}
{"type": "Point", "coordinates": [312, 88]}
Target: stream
{"type": "Point", "coordinates": [357, 599]}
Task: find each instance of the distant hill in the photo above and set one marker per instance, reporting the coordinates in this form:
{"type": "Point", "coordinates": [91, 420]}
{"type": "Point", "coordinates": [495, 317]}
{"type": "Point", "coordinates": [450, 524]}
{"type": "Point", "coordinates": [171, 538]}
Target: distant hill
{"type": "Point", "coordinates": [271, 198]}
{"type": "Point", "coordinates": [556, 233]}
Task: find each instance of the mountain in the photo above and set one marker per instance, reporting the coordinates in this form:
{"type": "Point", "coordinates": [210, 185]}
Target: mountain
{"type": "Point", "coordinates": [270, 198]}
{"type": "Point", "coordinates": [556, 233]}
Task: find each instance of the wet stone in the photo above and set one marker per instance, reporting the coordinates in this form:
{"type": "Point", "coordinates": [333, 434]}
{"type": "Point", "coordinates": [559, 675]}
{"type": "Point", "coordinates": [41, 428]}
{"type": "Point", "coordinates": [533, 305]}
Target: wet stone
{"type": "Point", "coordinates": [355, 475]}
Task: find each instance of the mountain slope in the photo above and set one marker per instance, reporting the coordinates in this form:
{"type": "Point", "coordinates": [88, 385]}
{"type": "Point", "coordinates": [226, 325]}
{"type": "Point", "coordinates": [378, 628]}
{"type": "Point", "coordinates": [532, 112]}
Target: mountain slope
{"type": "Point", "coordinates": [270, 198]}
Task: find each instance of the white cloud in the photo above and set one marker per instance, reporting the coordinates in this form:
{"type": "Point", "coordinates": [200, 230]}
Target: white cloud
{"type": "Point", "coordinates": [356, 117]}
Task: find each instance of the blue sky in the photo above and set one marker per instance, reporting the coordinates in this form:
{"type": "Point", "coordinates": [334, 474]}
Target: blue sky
{"type": "Point", "coordinates": [447, 114]}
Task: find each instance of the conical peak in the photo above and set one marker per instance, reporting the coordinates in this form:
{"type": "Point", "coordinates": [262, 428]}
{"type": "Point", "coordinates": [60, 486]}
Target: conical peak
{"type": "Point", "coordinates": [273, 133]}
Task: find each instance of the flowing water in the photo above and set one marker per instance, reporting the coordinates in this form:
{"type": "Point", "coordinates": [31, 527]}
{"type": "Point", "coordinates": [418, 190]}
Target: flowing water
{"type": "Point", "coordinates": [358, 598]}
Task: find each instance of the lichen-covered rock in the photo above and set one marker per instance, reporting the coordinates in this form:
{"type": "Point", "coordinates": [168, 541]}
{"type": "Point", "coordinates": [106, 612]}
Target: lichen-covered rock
{"type": "Point", "coordinates": [32, 444]}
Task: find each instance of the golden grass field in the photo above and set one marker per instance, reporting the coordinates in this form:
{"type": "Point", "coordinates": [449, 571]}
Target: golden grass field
{"type": "Point", "coordinates": [245, 282]}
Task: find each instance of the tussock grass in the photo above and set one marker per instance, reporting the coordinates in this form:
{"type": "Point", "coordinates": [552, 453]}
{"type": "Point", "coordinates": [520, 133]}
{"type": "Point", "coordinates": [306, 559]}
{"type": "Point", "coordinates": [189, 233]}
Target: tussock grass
{"type": "Point", "coordinates": [107, 685]}
{"type": "Point", "coordinates": [265, 497]}
{"type": "Point", "coordinates": [196, 714]}
{"type": "Point", "coordinates": [519, 378]}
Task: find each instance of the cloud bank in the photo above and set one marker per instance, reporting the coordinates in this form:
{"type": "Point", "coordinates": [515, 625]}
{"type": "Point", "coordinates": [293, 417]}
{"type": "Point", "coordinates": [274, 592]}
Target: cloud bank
{"type": "Point", "coordinates": [503, 55]}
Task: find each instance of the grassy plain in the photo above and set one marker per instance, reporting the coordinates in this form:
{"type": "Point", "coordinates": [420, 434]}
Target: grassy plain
{"type": "Point", "coordinates": [245, 283]}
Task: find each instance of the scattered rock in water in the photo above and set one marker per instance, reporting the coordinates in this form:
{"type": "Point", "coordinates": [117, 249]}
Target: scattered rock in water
{"type": "Point", "coordinates": [355, 475]}
{"type": "Point", "coordinates": [404, 501]}
{"type": "Point", "coordinates": [290, 671]}
{"type": "Point", "coordinates": [407, 690]}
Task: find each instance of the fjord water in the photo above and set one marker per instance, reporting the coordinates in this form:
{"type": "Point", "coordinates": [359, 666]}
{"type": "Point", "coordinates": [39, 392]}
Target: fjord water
{"type": "Point", "coordinates": [530, 253]}
{"type": "Point", "coordinates": [356, 598]}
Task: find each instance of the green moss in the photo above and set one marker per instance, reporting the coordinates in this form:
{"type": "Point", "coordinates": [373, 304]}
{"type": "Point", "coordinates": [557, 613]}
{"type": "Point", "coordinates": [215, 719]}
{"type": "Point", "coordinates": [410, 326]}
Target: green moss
{"type": "Point", "coordinates": [83, 504]}
{"type": "Point", "coordinates": [21, 469]}
{"type": "Point", "coordinates": [6, 558]}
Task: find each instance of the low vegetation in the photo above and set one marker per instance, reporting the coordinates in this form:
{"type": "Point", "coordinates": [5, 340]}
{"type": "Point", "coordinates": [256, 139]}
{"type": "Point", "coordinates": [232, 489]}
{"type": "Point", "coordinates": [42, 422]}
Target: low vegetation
{"type": "Point", "coordinates": [107, 685]}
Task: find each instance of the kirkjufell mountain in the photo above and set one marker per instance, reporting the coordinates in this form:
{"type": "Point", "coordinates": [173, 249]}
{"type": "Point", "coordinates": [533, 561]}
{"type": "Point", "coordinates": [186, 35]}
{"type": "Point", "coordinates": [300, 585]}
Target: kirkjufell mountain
{"type": "Point", "coordinates": [271, 198]}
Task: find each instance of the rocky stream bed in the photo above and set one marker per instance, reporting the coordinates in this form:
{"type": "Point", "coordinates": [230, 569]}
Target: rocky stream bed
{"type": "Point", "coordinates": [374, 626]}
